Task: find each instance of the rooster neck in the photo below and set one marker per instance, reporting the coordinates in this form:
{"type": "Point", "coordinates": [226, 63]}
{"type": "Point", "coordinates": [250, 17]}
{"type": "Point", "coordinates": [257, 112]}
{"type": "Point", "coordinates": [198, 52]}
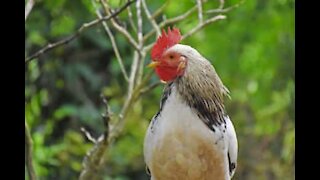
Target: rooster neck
{"type": "Point", "coordinates": [201, 88]}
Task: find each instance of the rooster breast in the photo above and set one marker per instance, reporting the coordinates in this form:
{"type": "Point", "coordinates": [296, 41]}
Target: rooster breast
{"type": "Point", "coordinates": [179, 146]}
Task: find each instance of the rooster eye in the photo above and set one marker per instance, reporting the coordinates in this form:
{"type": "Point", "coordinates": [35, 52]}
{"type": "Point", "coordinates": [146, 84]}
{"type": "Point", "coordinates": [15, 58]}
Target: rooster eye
{"type": "Point", "coordinates": [171, 56]}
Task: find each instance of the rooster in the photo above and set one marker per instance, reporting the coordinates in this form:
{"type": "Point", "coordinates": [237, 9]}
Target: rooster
{"type": "Point", "coordinates": [191, 137]}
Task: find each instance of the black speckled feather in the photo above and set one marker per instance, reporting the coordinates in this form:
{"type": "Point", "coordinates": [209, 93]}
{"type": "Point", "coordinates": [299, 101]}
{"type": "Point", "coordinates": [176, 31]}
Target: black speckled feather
{"type": "Point", "coordinates": [212, 117]}
{"type": "Point", "coordinates": [165, 95]}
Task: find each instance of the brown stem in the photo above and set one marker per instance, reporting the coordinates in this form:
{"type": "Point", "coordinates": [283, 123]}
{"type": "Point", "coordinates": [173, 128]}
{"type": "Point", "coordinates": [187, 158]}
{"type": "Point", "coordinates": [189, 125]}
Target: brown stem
{"type": "Point", "coordinates": [28, 9]}
{"type": "Point", "coordinates": [85, 26]}
{"type": "Point", "coordinates": [29, 144]}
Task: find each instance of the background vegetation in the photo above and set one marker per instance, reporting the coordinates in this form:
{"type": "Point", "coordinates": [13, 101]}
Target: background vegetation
{"type": "Point", "coordinates": [252, 50]}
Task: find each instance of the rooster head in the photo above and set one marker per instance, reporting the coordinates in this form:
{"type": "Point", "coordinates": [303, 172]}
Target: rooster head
{"type": "Point", "coordinates": [168, 64]}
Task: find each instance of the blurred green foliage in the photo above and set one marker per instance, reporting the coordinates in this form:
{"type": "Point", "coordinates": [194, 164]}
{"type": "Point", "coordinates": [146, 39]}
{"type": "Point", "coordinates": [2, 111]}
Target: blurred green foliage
{"type": "Point", "coordinates": [252, 50]}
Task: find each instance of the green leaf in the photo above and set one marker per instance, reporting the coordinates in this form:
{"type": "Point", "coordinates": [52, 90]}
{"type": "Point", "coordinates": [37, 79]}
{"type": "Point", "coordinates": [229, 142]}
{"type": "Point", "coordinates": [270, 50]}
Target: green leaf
{"type": "Point", "coordinates": [36, 38]}
{"type": "Point", "coordinates": [62, 25]}
{"type": "Point", "coordinates": [65, 110]}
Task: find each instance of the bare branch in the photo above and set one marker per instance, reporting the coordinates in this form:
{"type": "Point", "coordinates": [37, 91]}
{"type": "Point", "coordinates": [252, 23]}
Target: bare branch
{"type": "Point", "coordinates": [88, 135]}
{"type": "Point", "coordinates": [132, 96]}
{"type": "Point", "coordinates": [139, 17]}
{"type": "Point", "coordinates": [200, 15]}
{"type": "Point", "coordinates": [225, 9]}
{"type": "Point", "coordinates": [93, 161]}
{"type": "Point", "coordinates": [29, 144]}
{"type": "Point", "coordinates": [28, 9]}
{"type": "Point", "coordinates": [171, 21]}
{"type": "Point", "coordinates": [202, 25]}
{"type": "Point", "coordinates": [131, 19]}
{"type": "Point", "coordinates": [160, 10]}
{"type": "Point", "coordinates": [179, 18]}
{"type": "Point", "coordinates": [119, 28]}
{"type": "Point", "coordinates": [85, 26]}
{"type": "Point", "coordinates": [221, 4]}
{"type": "Point", "coordinates": [150, 87]}
{"type": "Point", "coordinates": [107, 116]}
{"type": "Point", "coordinates": [113, 42]}
{"type": "Point", "coordinates": [152, 21]}
{"type": "Point", "coordinates": [192, 31]}
{"type": "Point", "coordinates": [139, 71]}
{"type": "Point", "coordinates": [134, 69]}
{"type": "Point", "coordinates": [148, 47]}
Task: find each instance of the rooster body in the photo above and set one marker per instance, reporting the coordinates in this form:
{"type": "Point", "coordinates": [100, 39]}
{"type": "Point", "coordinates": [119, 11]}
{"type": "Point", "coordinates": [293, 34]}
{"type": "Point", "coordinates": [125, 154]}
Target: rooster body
{"type": "Point", "coordinates": [191, 137]}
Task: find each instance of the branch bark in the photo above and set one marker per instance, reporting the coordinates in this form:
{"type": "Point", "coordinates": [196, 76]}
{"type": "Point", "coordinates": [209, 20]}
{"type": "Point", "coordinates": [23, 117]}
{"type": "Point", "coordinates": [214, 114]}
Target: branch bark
{"type": "Point", "coordinates": [224, 10]}
{"type": "Point", "coordinates": [152, 21]}
{"type": "Point", "coordinates": [150, 87]}
{"type": "Point", "coordinates": [95, 157]}
{"type": "Point", "coordinates": [200, 15]}
{"type": "Point", "coordinates": [131, 19]}
{"type": "Point", "coordinates": [141, 54]}
{"type": "Point", "coordinates": [192, 31]}
{"type": "Point", "coordinates": [160, 10]}
{"type": "Point", "coordinates": [28, 9]}
{"type": "Point", "coordinates": [113, 42]}
{"type": "Point", "coordinates": [119, 28]}
{"type": "Point", "coordinates": [171, 21]}
{"type": "Point", "coordinates": [29, 144]}
{"type": "Point", "coordinates": [202, 25]}
{"type": "Point", "coordinates": [85, 26]}
{"type": "Point", "coordinates": [93, 161]}
{"type": "Point", "coordinates": [221, 4]}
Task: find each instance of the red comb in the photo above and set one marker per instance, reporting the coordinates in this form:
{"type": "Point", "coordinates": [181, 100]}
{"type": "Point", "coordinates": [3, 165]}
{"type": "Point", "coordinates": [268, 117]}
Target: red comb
{"type": "Point", "coordinates": [165, 41]}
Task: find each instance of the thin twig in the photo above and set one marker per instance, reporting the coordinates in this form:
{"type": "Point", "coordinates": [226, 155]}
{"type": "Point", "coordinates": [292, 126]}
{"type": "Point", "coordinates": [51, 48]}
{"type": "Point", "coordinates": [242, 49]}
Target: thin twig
{"type": "Point", "coordinates": [130, 100]}
{"type": "Point", "coordinates": [28, 9]}
{"type": "Point", "coordinates": [137, 54]}
{"type": "Point", "coordinates": [225, 9]}
{"type": "Point", "coordinates": [119, 28]}
{"type": "Point", "coordinates": [171, 21]}
{"type": "Point", "coordinates": [152, 21]}
{"type": "Point", "coordinates": [221, 4]}
{"type": "Point", "coordinates": [85, 26]}
{"type": "Point", "coordinates": [134, 68]}
{"type": "Point", "coordinates": [141, 55]}
{"type": "Point", "coordinates": [202, 25]}
{"type": "Point", "coordinates": [147, 77]}
{"type": "Point", "coordinates": [139, 18]}
{"type": "Point", "coordinates": [106, 116]}
{"type": "Point", "coordinates": [93, 161]}
{"type": "Point", "coordinates": [29, 144]}
{"type": "Point", "coordinates": [178, 18]}
{"type": "Point", "coordinates": [160, 10]}
{"type": "Point", "coordinates": [88, 135]}
{"type": "Point", "coordinates": [131, 19]}
{"type": "Point", "coordinates": [113, 42]}
{"type": "Point", "coordinates": [192, 31]}
{"type": "Point", "coordinates": [134, 92]}
{"type": "Point", "coordinates": [149, 88]}
{"type": "Point", "coordinates": [200, 15]}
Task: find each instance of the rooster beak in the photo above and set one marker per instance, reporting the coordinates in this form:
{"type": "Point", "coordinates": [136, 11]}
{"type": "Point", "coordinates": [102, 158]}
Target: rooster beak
{"type": "Point", "coordinates": [153, 64]}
